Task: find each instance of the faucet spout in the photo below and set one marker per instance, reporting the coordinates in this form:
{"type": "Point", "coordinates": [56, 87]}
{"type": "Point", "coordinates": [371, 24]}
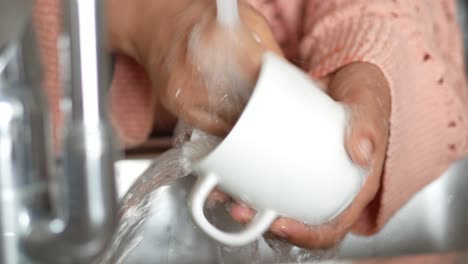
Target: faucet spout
{"type": "Point", "coordinates": [83, 227]}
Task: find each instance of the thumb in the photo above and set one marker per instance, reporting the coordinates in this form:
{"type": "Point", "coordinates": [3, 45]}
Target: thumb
{"type": "Point", "coordinates": [362, 88]}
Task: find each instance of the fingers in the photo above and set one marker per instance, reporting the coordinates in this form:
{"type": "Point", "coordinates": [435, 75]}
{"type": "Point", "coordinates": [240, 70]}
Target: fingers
{"type": "Point", "coordinates": [293, 231]}
{"type": "Point", "coordinates": [242, 213]}
{"type": "Point", "coordinates": [217, 196]}
{"type": "Point", "coordinates": [259, 26]}
{"type": "Point", "coordinates": [302, 235]}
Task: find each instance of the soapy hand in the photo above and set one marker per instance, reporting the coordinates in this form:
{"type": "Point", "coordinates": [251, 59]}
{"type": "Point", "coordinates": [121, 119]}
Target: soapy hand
{"type": "Point", "coordinates": [364, 90]}
{"type": "Point", "coordinates": [202, 73]}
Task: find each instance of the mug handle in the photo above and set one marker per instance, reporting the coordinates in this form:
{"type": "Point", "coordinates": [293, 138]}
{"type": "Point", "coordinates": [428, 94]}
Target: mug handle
{"type": "Point", "coordinates": [198, 196]}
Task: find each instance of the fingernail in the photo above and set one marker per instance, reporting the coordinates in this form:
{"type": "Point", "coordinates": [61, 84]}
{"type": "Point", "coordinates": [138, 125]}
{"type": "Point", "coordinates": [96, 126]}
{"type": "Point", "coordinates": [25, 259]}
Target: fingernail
{"type": "Point", "coordinates": [281, 233]}
{"type": "Point", "coordinates": [279, 229]}
{"type": "Point", "coordinates": [366, 148]}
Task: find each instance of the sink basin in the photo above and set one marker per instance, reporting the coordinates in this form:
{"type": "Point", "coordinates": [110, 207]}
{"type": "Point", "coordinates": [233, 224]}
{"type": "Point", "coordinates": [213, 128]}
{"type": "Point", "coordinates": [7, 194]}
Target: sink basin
{"type": "Point", "coordinates": [434, 221]}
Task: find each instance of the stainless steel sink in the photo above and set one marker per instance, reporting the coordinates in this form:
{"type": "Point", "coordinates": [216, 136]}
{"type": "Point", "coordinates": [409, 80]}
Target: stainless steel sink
{"type": "Point", "coordinates": [434, 221]}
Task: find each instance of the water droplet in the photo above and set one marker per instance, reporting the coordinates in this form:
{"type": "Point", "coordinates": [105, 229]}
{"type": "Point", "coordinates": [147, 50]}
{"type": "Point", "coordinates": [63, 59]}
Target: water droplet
{"type": "Point", "coordinates": [257, 38]}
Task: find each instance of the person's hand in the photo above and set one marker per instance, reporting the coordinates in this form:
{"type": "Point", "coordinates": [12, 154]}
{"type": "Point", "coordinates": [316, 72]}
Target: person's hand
{"type": "Point", "coordinates": [202, 73]}
{"type": "Point", "coordinates": [364, 90]}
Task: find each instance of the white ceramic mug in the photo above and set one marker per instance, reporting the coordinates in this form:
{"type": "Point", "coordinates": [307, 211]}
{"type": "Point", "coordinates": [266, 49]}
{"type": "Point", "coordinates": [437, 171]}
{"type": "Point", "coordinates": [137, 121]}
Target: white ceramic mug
{"type": "Point", "coordinates": [284, 157]}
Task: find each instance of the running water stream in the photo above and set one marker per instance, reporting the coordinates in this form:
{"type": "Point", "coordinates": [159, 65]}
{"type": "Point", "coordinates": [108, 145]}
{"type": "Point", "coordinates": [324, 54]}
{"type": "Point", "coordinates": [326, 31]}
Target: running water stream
{"type": "Point", "coordinates": [135, 207]}
{"type": "Point", "coordinates": [227, 13]}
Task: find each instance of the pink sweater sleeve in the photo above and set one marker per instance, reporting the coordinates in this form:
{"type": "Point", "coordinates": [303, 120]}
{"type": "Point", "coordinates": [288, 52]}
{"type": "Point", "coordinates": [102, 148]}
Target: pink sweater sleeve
{"type": "Point", "coordinates": [417, 45]}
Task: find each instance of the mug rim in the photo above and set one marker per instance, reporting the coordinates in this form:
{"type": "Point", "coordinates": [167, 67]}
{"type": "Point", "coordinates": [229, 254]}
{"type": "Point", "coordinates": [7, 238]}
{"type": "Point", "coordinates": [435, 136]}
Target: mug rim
{"type": "Point", "coordinates": [268, 55]}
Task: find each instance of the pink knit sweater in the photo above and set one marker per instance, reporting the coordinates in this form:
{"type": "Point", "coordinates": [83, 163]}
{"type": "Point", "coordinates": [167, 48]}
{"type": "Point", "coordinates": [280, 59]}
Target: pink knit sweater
{"type": "Point", "coordinates": [416, 44]}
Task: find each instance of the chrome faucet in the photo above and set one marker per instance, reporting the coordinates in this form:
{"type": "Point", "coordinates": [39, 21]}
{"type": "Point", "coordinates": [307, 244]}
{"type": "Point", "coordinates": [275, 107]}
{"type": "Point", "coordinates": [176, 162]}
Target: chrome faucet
{"type": "Point", "coordinates": [55, 214]}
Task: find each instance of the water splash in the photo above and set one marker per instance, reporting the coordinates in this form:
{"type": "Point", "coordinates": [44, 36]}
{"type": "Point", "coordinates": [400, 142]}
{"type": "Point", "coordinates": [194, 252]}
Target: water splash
{"type": "Point", "coordinates": [287, 253]}
{"type": "Point", "coordinates": [218, 215]}
{"type": "Point", "coordinates": [136, 205]}
{"type": "Point", "coordinates": [135, 209]}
